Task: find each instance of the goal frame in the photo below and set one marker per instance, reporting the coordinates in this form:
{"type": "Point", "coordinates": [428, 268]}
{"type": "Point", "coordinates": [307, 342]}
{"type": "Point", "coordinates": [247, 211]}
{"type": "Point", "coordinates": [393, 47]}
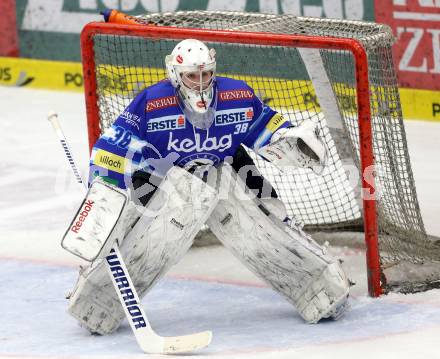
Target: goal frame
{"type": "Point", "coordinates": [265, 39]}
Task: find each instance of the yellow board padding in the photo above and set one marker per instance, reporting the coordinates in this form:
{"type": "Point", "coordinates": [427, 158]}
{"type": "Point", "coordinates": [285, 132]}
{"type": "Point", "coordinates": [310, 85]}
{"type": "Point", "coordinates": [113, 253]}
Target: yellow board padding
{"type": "Point", "coordinates": [67, 76]}
{"type": "Point", "coordinates": [127, 81]}
{"type": "Point", "coordinates": [41, 74]}
{"type": "Point", "coordinates": [416, 104]}
{"type": "Point", "coordinates": [420, 104]}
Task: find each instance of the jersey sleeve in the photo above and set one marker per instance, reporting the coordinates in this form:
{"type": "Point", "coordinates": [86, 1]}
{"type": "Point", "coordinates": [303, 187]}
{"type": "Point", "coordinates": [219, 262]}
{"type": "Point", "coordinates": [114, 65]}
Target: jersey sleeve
{"type": "Point", "coordinates": [266, 122]}
{"type": "Point", "coordinates": [118, 152]}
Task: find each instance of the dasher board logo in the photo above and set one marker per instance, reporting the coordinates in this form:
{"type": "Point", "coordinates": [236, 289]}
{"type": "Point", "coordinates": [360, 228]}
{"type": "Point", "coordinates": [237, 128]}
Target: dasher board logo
{"type": "Point", "coordinates": [417, 25]}
{"type": "Point", "coordinates": [233, 116]}
{"type": "Point", "coordinates": [175, 122]}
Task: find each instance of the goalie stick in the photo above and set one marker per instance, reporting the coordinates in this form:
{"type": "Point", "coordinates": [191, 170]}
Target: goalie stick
{"type": "Point", "coordinates": [147, 338]}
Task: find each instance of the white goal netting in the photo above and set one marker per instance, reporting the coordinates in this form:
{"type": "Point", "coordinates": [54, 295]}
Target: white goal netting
{"type": "Point", "coordinates": [312, 84]}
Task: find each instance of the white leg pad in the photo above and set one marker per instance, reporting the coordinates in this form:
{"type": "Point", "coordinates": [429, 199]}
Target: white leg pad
{"type": "Point", "coordinates": [286, 258]}
{"type": "Point", "coordinates": [326, 296]}
{"type": "Point", "coordinates": [155, 243]}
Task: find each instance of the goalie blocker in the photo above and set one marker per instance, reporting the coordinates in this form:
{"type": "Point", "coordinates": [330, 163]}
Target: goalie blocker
{"type": "Point", "coordinates": [285, 257]}
{"type": "Point", "coordinates": [97, 225]}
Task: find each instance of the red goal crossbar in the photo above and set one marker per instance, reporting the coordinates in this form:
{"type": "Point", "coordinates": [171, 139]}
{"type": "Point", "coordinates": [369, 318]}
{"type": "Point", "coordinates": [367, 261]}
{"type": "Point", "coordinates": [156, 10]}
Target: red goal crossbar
{"type": "Point", "coordinates": [264, 39]}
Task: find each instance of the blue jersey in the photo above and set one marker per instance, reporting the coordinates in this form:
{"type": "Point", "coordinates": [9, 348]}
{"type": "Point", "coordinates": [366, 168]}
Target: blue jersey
{"type": "Point", "coordinates": [153, 134]}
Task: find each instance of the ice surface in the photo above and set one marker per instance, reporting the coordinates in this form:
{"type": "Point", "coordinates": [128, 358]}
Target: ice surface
{"type": "Point", "coordinates": [247, 318]}
{"type": "Point", "coordinates": [209, 289]}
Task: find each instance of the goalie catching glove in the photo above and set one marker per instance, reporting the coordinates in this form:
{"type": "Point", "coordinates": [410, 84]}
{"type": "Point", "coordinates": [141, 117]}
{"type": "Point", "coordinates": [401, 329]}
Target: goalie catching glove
{"type": "Point", "coordinates": [299, 146]}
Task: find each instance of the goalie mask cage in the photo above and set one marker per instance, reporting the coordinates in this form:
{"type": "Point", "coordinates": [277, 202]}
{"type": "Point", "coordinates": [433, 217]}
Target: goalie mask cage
{"type": "Point", "coordinates": [337, 73]}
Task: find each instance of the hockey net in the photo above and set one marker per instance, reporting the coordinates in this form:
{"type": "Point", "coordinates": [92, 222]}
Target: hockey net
{"type": "Point", "coordinates": [313, 76]}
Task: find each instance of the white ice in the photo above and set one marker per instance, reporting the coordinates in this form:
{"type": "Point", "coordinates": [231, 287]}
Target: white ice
{"type": "Point", "coordinates": [209, 289]}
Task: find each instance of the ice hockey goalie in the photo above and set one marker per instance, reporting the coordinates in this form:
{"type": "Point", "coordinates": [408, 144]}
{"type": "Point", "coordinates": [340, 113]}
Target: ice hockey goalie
{"type": "Point", "coordinates": [176, 159]}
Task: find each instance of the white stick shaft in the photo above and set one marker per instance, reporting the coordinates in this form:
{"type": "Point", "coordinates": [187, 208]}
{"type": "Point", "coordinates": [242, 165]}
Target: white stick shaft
{"type": "Point", "coordinates": [53, 119]}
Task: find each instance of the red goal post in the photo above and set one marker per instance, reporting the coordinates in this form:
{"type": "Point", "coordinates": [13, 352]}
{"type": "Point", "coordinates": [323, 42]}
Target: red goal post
{"type": "Point", "coordinates": [256, 38]}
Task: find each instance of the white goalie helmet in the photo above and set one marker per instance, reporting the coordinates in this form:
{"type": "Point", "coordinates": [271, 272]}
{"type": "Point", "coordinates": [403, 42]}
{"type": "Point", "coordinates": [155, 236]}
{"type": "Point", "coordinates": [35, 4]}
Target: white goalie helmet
{"type": "Point", "coordinates": [191, 70]}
